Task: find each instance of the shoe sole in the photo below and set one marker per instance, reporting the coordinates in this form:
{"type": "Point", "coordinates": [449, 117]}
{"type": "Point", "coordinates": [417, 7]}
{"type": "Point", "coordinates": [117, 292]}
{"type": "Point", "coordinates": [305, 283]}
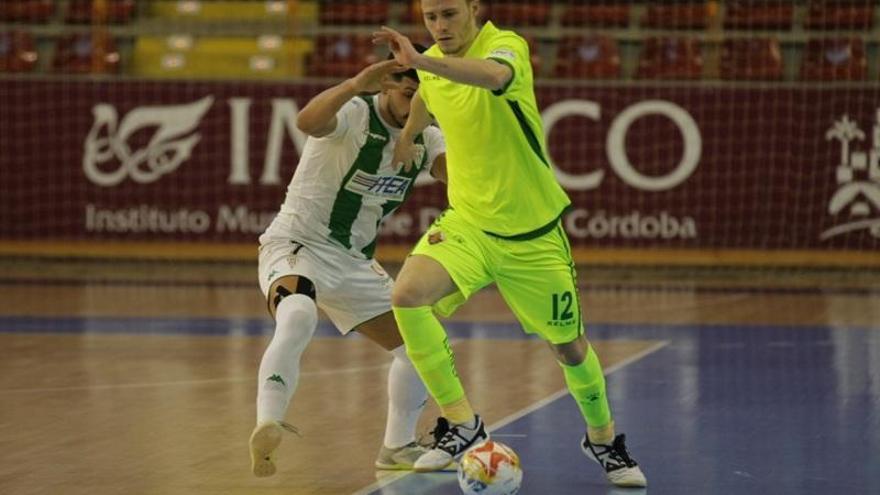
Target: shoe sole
{"type": "Point", "coordinates": [264, 440]}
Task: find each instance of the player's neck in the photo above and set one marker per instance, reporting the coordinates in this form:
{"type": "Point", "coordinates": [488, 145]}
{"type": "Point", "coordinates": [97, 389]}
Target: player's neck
{"type": "Point", "coordinates": [467, 45]}
{"type": "Point", "coordinates": [385, 113]}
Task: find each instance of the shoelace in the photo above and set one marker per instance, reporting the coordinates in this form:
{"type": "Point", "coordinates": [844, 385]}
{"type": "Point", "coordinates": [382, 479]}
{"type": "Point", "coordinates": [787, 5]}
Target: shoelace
{"type": "Point", "coordinates": [441, 430]}
{"type": "Point", "coordinates": [619, 453]}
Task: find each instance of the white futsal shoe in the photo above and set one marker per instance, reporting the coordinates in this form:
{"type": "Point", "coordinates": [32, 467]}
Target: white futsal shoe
{"type": "Point", "coordinates": [265, 438]}
{"type": "Point", "coordinates": [620, 469]}
{"type": "Point", "coordinates": [450, 442]}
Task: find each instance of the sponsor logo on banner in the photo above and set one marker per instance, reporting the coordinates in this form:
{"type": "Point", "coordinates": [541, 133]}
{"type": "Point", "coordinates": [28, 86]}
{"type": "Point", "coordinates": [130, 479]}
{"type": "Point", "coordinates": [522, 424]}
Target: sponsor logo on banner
{"type": "Point", "coordinates": [856, 203]}
{"type": "Point", "coordinates": [171, 143]}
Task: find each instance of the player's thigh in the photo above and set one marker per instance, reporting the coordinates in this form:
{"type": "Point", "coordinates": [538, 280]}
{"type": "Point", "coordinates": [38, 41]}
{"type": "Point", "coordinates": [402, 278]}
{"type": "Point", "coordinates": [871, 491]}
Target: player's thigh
{"type": "Point", "coordinates": [422, 281]}
{"type": "Point", "coordinates": [382, 330]}
{"type": "Point", "coordinates": [287, 267]}
{"type": "Point", "coordinates": [455, 253]}
{"type": "Point", "coordinates": [362, 294]}
{"type": "Point", "coordinates": [539, 283]}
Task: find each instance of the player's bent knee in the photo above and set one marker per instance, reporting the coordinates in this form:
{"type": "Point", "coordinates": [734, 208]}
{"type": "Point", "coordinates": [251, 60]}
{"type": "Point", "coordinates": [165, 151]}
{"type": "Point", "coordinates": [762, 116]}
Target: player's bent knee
{"type": "Point", "coordinates": [288, 286]}
{"type": "Point", "coordinates": [298, 310]}
{"type": "Point", "coordinates": [408, 296]}
{"type": "Point", "coordinates": [572, 353]}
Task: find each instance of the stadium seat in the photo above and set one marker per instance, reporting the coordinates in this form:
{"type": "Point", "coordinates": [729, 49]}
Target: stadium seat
{"type": "Point", "coordinates": [841, 59]}
{"type": "Point", "coordinates": [230, 10]}
{"type": "Point", "coordinates": [17, 52]}
{"type": "Point", "coordinates": [751, 59]}
{"type": "Point", "coordinates": [115, 11]}
{"type": "Point", "coordinates": [517, 13]}
{"type": "Point", "coordinates": [340, 56]}
{"type": "Point", "coordinates": [36, 11]}
{"type": "Point", "coordinates": [670, 58]}
{"type": "Point", "coordinates": [85, 53]}
{"type": "Point", "coordinates": [587, 57]}
{"type": "Point", "coordinates": [596, 14]}
{"type": "Point", "coordinates": [266, 57]}
{"type": "Point", "coordinates": [677, 15]}
{"type": "Point", "coordinates": [759, 14]}
{"type": "Point", "coordinates": [354, 12]}
{"type": "Point", "coordinates": [840, 14]}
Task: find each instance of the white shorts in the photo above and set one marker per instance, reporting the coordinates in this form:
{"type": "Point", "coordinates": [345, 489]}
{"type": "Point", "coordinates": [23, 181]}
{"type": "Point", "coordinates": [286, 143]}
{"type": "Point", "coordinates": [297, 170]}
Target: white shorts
{"type": "Point", "coordinates": [349, 290]}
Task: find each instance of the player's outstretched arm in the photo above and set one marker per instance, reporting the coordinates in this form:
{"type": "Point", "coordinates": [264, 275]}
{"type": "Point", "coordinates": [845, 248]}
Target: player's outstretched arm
{"type": "Point", "coordinates": [438, 170]}
{"type": "Point", "coordinates": [419, 118]}
{"type": "Point", "coordinates": [486, 74]}
{"type": "Point", "coordinates": [318, 117]}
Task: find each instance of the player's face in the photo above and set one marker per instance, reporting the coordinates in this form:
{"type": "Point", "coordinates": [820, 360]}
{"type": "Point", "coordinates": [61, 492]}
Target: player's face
{"type": "Point", "coordinates": [452, 24]}
{"type": "Point", "coordinates": [399, 99]}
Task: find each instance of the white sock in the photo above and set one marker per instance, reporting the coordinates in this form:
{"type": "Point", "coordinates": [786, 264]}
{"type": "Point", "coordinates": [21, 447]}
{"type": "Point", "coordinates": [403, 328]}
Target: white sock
{"type": "Point", "coordinates": [406, 400]}
{"type": "Point", "coordinates": [295, 321]}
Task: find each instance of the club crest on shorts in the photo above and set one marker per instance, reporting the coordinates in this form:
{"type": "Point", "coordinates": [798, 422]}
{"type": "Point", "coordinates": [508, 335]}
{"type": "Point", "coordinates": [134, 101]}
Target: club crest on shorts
{"type": "Point", "coordinates": [436, 237]}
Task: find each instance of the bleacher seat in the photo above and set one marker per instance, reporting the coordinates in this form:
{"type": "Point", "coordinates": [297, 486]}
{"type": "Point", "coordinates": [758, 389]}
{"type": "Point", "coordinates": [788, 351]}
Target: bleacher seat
{"type": "Point", "coordinates": [36, 11]}
{"type": "Point", "coordinates": [230, 10]}
{"type": "Point", "coordinates": [751, 59]}
{"type": "Point", "coordinates": [587, 57]}
{"type": "Point", "coordinates": [517, 13]}
{"type": "Point", "coordinates": [596, 14]}
{"type": "Point", "coordinates": [670, 58]}
{"type": "Point", "coordinates": [340, 56]}
{"type": "Point", "coordinates": [17, 52]}
{"type": "Point", "coordinates": [114, 11]}
{"type": "Point", "coordinates": [85, 53]}
{"type": "Point", "coordinates": [354, 12]}
{"type": "Point", "coordinates": [677, 15]}
{"type": "Point", "coordinates": [181, 56]}
{"type": "Point", "coordinates": [840, 14]}
{"type": "Point", "coordinates": [841, 59]}
{"type": "Point", "coordinates": [759, 14]}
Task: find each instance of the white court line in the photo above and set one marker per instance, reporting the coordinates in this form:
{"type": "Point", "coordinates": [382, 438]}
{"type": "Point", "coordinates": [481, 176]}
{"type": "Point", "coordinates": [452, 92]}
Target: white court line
{"type": "Point", "coordinates": [189, 383]}
{"type": "Point", "coordinates": [387, 480]}
{"type": "Point", "coordinates": [184, 383]}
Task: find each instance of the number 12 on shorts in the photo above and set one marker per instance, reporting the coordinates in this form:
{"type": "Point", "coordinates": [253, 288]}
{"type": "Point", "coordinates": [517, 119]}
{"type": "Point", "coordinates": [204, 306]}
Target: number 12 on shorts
{"type": "Point", "coordinates": [562, 302]}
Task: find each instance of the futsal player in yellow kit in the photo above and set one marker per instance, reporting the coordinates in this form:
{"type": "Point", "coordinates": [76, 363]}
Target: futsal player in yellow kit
{"type": "Point", "coordinates": [503, 225]}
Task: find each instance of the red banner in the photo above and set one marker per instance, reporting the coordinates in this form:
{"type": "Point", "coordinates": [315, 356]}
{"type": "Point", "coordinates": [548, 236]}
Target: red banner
{"type": "Point", "coordinates": [659, 166]}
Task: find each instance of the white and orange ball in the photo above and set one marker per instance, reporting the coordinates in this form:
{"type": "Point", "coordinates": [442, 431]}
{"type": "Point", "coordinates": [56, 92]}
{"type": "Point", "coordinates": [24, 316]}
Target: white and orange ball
{"type": "Point", "coordinates": [490, 468]}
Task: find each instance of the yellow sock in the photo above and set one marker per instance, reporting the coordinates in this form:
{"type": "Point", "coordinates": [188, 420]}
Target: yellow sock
{"type": "Point", "coordinates": [603, 434]}
{"type": "Point", "coordinates": [459, 412]}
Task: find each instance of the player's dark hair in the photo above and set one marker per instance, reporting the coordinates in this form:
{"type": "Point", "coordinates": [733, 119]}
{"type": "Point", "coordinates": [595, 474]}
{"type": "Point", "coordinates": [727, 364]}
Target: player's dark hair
{"type": "Point", "coordinates": [412, 74]}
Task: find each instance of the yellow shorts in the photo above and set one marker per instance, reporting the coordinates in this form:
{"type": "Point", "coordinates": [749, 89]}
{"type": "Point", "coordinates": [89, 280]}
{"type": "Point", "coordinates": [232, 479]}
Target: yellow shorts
{"type": "Point", "coordinates": [536, 277]}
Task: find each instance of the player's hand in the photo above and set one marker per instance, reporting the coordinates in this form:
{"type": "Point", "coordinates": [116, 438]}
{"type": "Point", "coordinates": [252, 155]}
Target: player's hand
{"type": "Point", "coordinates": [375, 77]}
{"type": "Point", "coordinates": [402, 48]}
{"type": "Point", "coordinates": [405, 154]}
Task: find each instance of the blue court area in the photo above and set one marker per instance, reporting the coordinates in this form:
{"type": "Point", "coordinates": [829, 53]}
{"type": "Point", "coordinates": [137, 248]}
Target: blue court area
{"type": "Point", "coordinates": [714, 409]}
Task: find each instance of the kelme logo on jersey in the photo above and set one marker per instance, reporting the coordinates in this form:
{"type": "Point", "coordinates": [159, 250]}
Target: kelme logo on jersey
{"type": "Point", "coordinates": [389, 187]}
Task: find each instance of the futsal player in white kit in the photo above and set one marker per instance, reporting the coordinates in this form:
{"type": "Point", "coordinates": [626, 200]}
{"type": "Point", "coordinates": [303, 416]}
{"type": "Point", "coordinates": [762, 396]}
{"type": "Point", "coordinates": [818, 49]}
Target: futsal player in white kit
{"type": "Point", "coordinates": [318, 252]}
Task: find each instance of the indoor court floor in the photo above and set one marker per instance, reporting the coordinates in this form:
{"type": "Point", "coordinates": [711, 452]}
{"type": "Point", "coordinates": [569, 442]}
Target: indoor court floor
{"type": "Point", "coordinates": [139, 378]}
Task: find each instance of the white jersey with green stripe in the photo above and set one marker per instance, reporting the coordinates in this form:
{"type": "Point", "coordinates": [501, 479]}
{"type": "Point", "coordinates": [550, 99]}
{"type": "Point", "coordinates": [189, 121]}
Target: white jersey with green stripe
{"type": "Point", "coordinates": [345, 183]}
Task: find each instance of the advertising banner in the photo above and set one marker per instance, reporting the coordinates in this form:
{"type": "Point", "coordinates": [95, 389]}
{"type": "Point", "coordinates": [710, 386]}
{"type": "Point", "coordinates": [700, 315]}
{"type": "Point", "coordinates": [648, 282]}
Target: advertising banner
{"type": "Point", "coordinates": [645, 166]}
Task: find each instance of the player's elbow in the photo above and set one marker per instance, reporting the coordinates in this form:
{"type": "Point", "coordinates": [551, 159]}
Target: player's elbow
{"type": "Point", "coordinates": [500, 77]}
{"type": "Point", "coordinates": [306, 124]}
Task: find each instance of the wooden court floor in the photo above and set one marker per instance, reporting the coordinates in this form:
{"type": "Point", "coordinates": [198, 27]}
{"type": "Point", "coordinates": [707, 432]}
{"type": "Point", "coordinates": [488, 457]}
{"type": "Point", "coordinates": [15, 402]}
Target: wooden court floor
{"type": "Point", "coordinates": [140, 378]}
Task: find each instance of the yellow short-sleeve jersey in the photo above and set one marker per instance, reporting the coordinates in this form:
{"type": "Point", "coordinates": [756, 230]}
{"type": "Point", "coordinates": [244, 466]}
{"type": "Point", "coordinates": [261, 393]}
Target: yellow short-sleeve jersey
{"type": "Point", "coordinates": [500, 178]}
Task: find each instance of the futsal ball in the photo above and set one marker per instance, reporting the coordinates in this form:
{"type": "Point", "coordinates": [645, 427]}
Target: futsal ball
{"type": "Point", "coordinates": [489, 468]}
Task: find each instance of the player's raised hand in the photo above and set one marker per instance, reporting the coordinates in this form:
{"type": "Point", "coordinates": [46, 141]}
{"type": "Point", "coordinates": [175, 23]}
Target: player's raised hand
{"type": "Point", "coordinates": [405, 154]}
{"type": "Point", "coordinates": [402, 48]}
{"type": "Point", "coordinates": [375, 77]}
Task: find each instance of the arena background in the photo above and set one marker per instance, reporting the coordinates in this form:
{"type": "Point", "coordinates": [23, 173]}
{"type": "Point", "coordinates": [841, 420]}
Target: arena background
{"type": "Point", "coordinates": [723, 159]}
